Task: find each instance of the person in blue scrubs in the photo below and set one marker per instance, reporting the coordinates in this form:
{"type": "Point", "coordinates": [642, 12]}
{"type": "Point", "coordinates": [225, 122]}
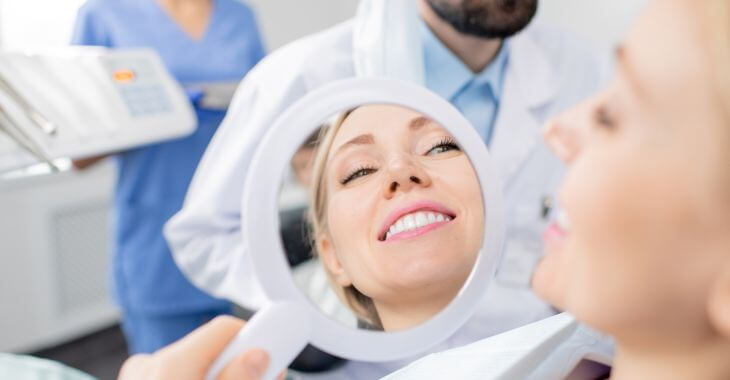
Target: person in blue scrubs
{"type": "Point", "coordinates": [199, 41]}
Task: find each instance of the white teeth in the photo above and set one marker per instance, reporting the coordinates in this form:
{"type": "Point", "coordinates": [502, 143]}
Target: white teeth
{"type": "Point", "coordinates": [562, 220]}
{"type": "Point", "coordinates": [400, 226]}
{"type": "Point", "coordinates": [421, 219]}
{"type": "Point", "coordinates": [415, 220]}
{"type": "Point", "coordinates": [410, 222]}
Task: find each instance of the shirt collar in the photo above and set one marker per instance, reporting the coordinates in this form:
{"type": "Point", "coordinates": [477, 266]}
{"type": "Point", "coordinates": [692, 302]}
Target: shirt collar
{"type": "Point", "coordinates": [437, 57]}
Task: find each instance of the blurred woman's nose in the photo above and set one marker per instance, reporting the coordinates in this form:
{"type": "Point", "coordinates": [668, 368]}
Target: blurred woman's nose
{"type": "Point", "coordinates": [566, 133]}
{"type": "Point", "coordinates": [403, 175]}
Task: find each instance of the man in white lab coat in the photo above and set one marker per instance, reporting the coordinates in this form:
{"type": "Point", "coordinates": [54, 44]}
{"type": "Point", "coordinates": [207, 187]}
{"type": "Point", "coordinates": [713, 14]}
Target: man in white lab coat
{"type": "Point", "coordinates": [507, 86]}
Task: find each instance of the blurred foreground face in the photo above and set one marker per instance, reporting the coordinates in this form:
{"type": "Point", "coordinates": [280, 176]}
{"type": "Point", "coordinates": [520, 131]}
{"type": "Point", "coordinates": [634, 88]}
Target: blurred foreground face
{"type": "Point", "coordinates": [646, 198]}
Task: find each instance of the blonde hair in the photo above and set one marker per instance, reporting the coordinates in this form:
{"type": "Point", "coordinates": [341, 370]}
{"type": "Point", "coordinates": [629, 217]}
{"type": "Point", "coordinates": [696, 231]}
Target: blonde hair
{"type": "Point", "coordinates": [361, 304]}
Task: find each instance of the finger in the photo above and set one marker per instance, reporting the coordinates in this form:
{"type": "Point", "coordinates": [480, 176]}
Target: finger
{"type": "Point", "coordinates": [136, 367]}
{"type": "Point", "coordinates": [205, 343]}
{"type": "Point", "coordinates": [251, 365]}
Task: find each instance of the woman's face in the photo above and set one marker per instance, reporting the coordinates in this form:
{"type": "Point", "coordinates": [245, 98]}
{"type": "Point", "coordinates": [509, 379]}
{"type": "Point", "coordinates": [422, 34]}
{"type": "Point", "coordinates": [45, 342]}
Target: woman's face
{"type": "Point", "coordinates": [646, 196]}
{"type": "Point", "coordinates": [404, 208]}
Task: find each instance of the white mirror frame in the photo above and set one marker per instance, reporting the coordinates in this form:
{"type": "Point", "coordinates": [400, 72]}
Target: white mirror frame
{"type": "Point", "coordinates": [260, 222]}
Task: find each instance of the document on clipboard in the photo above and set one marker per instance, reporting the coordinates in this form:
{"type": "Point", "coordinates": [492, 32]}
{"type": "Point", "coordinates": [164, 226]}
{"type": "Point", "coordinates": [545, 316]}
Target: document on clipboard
{"type": "Point", "coordinates": [84, 101]}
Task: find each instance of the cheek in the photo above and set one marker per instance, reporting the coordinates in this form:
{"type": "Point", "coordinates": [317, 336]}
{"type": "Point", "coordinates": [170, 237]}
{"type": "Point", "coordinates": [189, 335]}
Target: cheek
{"type": "Point", "coordinates": [469, 190]}
{"type": "Point", "coordinates": [617, 264]}
{"type": "Point", "coordinates": [630, 208]}
{"type": "Point", "coordinates": [472, 195]}
{"type": "Point", "coordinates": [460, 180]}
{"type": "Point", "coordinates": [351, 219]}
{"type": "Point", "coordinates": [599, 197]}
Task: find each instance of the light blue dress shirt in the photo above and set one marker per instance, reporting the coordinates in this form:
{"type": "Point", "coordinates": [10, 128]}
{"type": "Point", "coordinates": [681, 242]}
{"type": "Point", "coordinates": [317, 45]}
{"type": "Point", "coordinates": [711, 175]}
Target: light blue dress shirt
{"type": "Point", "coordinates": [475, 95]}
{"type": "Point", "coordinates": [152, 180]}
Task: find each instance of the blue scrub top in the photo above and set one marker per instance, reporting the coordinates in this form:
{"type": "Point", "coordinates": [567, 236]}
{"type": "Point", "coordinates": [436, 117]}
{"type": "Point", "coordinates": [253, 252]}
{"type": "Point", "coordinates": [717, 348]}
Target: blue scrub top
{"type": "Point", "coordinates": [152, 180]}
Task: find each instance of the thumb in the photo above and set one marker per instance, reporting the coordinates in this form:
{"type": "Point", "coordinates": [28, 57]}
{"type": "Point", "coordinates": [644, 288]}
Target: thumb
{"type": "Point", "coordinates": [251, 365]}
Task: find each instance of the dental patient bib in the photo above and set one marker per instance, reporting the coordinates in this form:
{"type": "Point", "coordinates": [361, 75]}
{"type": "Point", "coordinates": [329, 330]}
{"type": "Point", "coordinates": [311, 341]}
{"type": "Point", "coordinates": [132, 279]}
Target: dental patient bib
{"type": "Point", "coordinates": [554, 348]}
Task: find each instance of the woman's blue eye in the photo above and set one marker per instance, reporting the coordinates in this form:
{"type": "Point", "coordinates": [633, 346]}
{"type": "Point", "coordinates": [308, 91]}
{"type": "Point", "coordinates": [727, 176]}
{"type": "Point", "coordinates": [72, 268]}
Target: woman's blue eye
{"type": "Point", "coordinates": [361, 172]}
{"type": "Point", "coordinates": [442, 146]}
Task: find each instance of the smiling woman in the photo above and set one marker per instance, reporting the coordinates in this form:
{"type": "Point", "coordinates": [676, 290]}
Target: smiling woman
{"type": "Point", "coordinates": [641, 252]}
{"type": "Point", "coordinates": [397, 214]}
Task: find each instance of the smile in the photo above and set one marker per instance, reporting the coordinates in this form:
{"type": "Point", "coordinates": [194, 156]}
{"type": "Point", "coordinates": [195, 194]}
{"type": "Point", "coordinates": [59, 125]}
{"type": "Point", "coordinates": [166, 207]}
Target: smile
{"type": "Point", "coordinates": [412, 222]}
{"type": "Point", "coordinates": [415, 219]}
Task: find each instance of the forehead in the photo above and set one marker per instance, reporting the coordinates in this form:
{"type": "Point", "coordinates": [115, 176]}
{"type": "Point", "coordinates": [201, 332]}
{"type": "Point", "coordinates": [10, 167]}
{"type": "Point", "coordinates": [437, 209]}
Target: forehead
{"type": "Point", "coordinates": [663, 56]}
{"type": "Point", "coordinates": [379, 120]}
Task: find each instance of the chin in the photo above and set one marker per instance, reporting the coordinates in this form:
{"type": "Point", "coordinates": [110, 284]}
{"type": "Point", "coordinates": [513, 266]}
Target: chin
{"type": "Point", "coordinates": [541, 284]}
{"type": "Point", "coordinates": [548, 283]}
{"type": "Point", "coordinates": [566, 289]}
{"type": "Point", "coordinates": [436, 270]}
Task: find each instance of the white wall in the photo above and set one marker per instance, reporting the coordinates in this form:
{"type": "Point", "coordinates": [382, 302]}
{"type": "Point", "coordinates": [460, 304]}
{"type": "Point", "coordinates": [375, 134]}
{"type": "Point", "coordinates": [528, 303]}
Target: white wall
{"type": "Point", "coordinates": [284, 20]}
{"type": "Point", "coordinates": [40, 23]}
{"type": "Point", "coordinates": [36, 23]}
{"type": "Point", "coordinates": [26, 23]}
{"type": "Point", "coordinates": [603, 22]}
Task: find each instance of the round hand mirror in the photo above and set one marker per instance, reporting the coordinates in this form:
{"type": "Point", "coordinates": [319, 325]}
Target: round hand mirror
{"type": "Point", "coordinates": [373, 215]}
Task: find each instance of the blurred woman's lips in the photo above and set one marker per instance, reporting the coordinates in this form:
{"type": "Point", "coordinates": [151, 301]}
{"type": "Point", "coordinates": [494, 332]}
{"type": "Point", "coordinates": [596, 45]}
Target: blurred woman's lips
{"type": "Point", "coordinates": [557, 232]}
{"type": "Point", "coordinates": [415, 219]}
{"type": "Point", "coordinates": [554, 235]}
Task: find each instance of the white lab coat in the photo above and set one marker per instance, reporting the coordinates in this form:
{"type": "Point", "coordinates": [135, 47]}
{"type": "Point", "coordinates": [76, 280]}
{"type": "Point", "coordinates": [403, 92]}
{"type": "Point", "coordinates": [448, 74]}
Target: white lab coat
{"type": "Point", "coordinates": [546, 73]}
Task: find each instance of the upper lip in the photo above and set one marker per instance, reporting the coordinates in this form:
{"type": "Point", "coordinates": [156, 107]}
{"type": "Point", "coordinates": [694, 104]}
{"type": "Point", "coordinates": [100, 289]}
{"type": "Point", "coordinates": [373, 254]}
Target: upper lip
{"type": "Point", "coordinates": [424, 205]}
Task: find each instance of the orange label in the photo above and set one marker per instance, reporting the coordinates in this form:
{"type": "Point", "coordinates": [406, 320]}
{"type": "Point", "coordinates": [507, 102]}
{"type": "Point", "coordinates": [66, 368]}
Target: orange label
{"type": "Point", "coordinates": [123, 76]}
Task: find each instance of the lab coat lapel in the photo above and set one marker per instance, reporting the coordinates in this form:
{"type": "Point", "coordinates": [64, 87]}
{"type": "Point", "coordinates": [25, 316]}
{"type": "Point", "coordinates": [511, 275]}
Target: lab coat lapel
{"type": "Point", "coordinates": [387, 40]}
{"type": "Point", "coordinates": [529, 85]}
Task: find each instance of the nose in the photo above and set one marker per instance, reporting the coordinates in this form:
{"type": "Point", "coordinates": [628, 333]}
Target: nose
{"type": "Point", "coordinates": [404, 175]}
{"type": "Point", "coordinates": [566, 134]}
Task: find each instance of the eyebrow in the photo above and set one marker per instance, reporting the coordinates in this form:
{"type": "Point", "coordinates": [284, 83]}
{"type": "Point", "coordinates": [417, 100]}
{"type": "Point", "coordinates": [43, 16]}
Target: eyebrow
{"type": "Point", "coordinates": [625, 63]}
{"type": "Point", "coordinates": [418, 122]}
{"type": "Point", "coordinates": [359, 140]}
{"type": "Point", "coordinates": [366, 139]}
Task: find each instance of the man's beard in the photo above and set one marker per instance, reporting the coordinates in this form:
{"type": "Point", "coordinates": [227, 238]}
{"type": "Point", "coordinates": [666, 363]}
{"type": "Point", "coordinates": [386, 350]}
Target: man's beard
{"type": "Point", "coordinates": [486, 18]}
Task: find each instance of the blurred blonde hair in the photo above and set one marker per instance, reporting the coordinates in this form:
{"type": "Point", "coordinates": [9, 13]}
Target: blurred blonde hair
{"type": "Point", "coordinates": [361, 304]}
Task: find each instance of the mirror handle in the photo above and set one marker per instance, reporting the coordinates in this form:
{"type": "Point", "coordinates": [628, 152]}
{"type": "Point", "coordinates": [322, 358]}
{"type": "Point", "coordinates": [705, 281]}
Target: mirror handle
{"type": "Point", "coordinates": [282, 329]}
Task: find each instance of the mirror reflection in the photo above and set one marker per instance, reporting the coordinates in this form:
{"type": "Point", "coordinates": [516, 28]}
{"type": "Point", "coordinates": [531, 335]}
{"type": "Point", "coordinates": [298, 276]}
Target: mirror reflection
{"type": "Point", "coordinates": [381, 217]}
